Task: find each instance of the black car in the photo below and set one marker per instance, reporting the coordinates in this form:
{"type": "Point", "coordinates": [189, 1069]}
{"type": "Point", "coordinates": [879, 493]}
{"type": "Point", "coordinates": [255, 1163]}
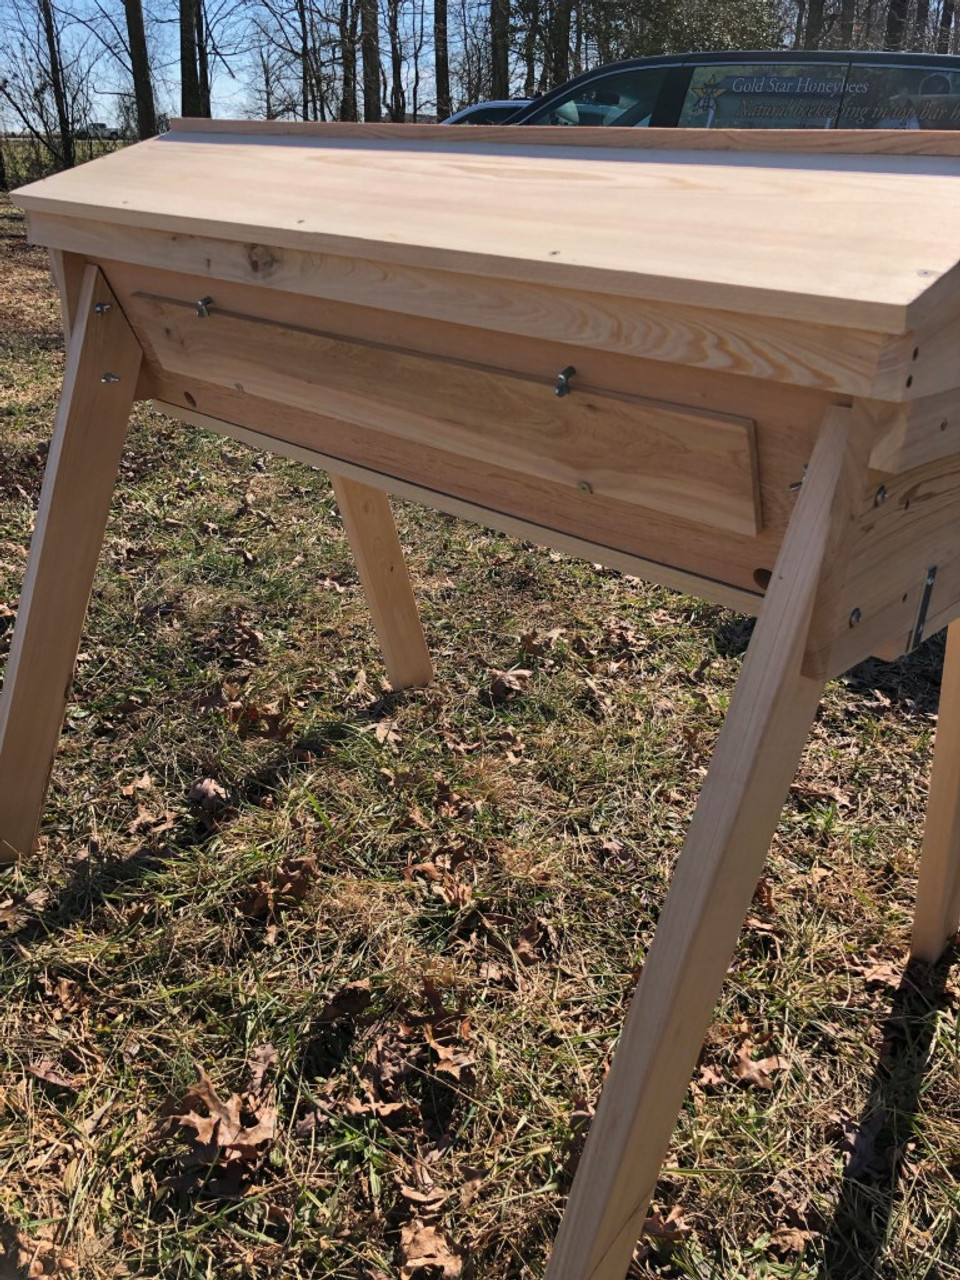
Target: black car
{"type": "Point", "coordinates": [496, 111]}
{"type": "Point", "coordinates": [796, 90]}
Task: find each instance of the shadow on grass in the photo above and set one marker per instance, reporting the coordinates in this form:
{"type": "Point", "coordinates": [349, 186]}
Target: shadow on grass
{"type": "Point", "coordinates": [913, 679]}
{"type": "Point", "coordinates": [856, 1239]}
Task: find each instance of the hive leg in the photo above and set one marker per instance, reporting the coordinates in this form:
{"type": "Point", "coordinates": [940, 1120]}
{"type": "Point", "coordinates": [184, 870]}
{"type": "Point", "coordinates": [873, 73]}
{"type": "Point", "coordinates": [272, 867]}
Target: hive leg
{"type": "Point", "coordinates": [88, 438]}
{"type": "Point", "coordinates": [937, 915]}
{"type": "Point", "coordinates": [717, 873]}
{"type": "Point", "coordinates": [370, 528]}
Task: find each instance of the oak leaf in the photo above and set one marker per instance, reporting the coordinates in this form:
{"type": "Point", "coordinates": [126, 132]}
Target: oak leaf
{"type": "Point", "coordinates": [427, 1252]}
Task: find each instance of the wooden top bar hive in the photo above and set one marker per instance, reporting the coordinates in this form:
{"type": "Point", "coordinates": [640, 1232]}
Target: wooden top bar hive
{"type": "Point", "coordinates": [727, 362]}
{"type": "Point", "coordinates": [402, 299]}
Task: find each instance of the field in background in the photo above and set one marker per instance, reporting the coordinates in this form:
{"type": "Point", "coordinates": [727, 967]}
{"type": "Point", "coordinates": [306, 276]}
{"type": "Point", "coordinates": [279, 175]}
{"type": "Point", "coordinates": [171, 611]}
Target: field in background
{"type": "Point", "coordinates": [388, 940]}
{"type": "Point", "coordinates": [25, 160]}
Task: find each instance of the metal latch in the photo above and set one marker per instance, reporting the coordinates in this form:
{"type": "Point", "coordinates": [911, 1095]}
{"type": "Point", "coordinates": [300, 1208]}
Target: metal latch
{"type": "Point", "coordinates": [918, 627]}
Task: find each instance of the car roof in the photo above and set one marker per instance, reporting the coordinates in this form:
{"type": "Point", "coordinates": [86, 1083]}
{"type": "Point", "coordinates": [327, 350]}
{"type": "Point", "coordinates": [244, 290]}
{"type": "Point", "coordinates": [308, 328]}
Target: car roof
{"type": "Point", "coordinates": [875, 57]}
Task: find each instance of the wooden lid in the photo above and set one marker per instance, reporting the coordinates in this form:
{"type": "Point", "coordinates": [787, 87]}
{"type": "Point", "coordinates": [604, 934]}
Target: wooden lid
{"type": "Point", "coordinates": [859, 229]}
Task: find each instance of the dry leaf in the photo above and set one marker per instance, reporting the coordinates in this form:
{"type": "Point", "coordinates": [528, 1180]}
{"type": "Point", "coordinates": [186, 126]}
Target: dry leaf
{"type": "Point", "coordinates": [209, 795]}
{"type": "Point", "coordinates": [426, 1253]}
{"type": "Point", "coordinates": [263, 1058]}
{"type": "Point", "coordinates": [757, 1071]}
{"type": "Point", "coordinates": [453, 1062]}
{"type": "Point", "coordinates": [505, 685]}
{"type": "Point", "coordinates": [351, 1000]}
{"type": "Point", "coordinates": [149, 823]}
{"type": "Point", "coordinates": [390, 1113]}
{"type": "Point", "coordinates": [427, 1201]}
{"type": "Point", "coordinates": [239, 1130]}
{"type": "Point", "coordinates": [143, 783]}
{"type": "Point", "coordinates": [670, 1228]}
{"type": "Point", "coordinates": [47, 1070]}
{"type": "Point", "coordinates": [291, 882]}
{"type": "Point", "coordinates": [709, 1077]}
{"type": "Point", "coordinates": [791, 1239]}
{"type": "Point", "coordinates": [873, 968]}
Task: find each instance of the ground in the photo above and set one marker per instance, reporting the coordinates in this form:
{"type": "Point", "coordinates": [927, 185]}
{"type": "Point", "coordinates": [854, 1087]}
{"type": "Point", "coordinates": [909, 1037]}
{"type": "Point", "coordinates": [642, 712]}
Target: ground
{"type": "Point", "coordinates": [311, 979]}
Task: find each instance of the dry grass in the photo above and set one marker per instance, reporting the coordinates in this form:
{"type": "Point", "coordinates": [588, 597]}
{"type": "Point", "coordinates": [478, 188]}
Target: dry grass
{"type": "Point", "coordinates": [485, 874]}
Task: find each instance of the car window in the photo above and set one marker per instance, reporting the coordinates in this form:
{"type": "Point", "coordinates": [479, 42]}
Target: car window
{"type": "Point", "coordinates": [754, 96]}
{"type": "Point", "coordinates": [624, 98]}
{"type": "Point", "coordinates": [901, 98]}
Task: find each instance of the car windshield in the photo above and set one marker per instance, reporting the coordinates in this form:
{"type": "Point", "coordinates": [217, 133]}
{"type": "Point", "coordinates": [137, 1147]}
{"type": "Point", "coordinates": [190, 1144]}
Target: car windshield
{"type": "Point", "coordinates": [625, 98]}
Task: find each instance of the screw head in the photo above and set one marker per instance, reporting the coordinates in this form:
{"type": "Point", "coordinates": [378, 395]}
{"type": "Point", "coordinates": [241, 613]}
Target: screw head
{"type": "Point", "coordinates": [101, 308]}
{"type": "Point", "coordinates": [109, 377]}
{"type": "Point", "coordinates": [855, 617]}
{"type": "Point", "coordinates": [880, 497]}
{"type": "Point", "coordinates": [585, 486]}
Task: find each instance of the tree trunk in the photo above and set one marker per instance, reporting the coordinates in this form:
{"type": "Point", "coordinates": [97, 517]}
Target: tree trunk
{"type": "Point", "coordinates": [559, 53]}
{"type": "Point", "coordinates": [848, 12]}
{"type": "Point", "coordinates": [530, 37]}
{"type": "Point", "coordinates": [798, 29]}
{"type": "Point", "coordinates": [441, 55]}
{"type": "Point", "coordinates": [896, 24]}
{"type": "Point", "coordinates": [348, 55]}
{"type": "Point", "coordinates": [140, 65]}
{"type": "Point", "coordinates": [4, 185]}
{"type": "Point", "coordinates": [814, 27]}
{"type": "Point", "coordinates": [303, 56]}
{"type": "Point", "coordinates": [370, 46]}
{"type": "Point", "coordinates": [67, 150]}
{"type": "Point", "coordinates": [946, 22]}
{"type": "Point", "coordinates": [203, 64]}
{"type": "Point", "coordinates": [500, 48]}
{"type": "Point", "coordinates": [398, 101]}
{"type": "Point", "coordinates": [921, 24]}
{"type": "Point", "coordinates": [190, 104]}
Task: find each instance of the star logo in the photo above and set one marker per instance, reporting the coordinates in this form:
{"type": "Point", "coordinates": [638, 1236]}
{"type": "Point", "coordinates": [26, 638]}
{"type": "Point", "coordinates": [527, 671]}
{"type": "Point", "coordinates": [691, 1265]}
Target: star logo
{"type": "Point", "coordinates": [708, 94]}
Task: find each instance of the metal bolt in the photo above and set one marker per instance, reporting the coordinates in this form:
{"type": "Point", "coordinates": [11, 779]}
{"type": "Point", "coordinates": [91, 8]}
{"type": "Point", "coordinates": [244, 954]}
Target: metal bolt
{"type": "Point", "coordinates": [563, 380]}
{"type": "Point", "coordinates": [109, 377]}
{"type": "Point", "coordinates": [203, 307]}
{"type": "Point", "coordinates": [880, 497]}
{"type": "Point", "coordinates": [931, 576]}
{"type": "Point", "coordinates": [585, 486]}
{"type": "Point", "coordinates": [101, 308]}
{"type": "Point", "coordinates": [855, 617]}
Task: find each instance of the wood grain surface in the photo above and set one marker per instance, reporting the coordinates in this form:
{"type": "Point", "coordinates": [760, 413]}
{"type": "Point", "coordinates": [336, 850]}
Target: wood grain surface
{"type": "Point", "coordinates": [835, 239]}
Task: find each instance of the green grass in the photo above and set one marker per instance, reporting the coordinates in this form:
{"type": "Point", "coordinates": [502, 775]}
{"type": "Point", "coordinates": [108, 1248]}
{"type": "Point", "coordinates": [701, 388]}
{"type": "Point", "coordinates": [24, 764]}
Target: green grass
{"type": "Point", "coordinates": [489, 872]}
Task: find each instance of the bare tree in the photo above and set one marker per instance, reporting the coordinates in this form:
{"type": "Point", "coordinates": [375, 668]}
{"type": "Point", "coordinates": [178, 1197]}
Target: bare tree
{"type": "Point", "coordinates": [190, 101]}
{"type": "Point", "coordinates": [396, 99]}
{"type": "Point", "coordinates": [57, 85]}
{"type": "Point", "coordinates": [441, 59]}
{"type": "Point", "coordinates": [848, 14]}
{"type": "Point", "coordinates": [896, 24]}
{"type": "Point", "coordinates": [140, 69]}
{"type": "Point", "coordinates": [348, 55]}
{"type": "Point", "coordinates": [946, 22]}
{"type": "Point", "coordinates": [813, 30]}
{"type": "Point", "coordinates": [44, 80]}
{"type": "Point", "coordinates": [370, 48]}
{"type": "Point", "coordinates": [500, 48]}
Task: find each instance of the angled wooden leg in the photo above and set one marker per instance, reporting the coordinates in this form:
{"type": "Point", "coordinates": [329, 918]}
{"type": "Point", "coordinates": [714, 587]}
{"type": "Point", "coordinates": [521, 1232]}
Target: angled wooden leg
{"type": "Point", "coordinates": [755, 760]}
{"type": "Point", "coordinates": [937, 915]}
{"type": "Point", "coordinates": [91, 425]}
{"type": "Point", "coordinates": [68, 270]}
{"type": "Point", "coordinates": [368, 521]}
